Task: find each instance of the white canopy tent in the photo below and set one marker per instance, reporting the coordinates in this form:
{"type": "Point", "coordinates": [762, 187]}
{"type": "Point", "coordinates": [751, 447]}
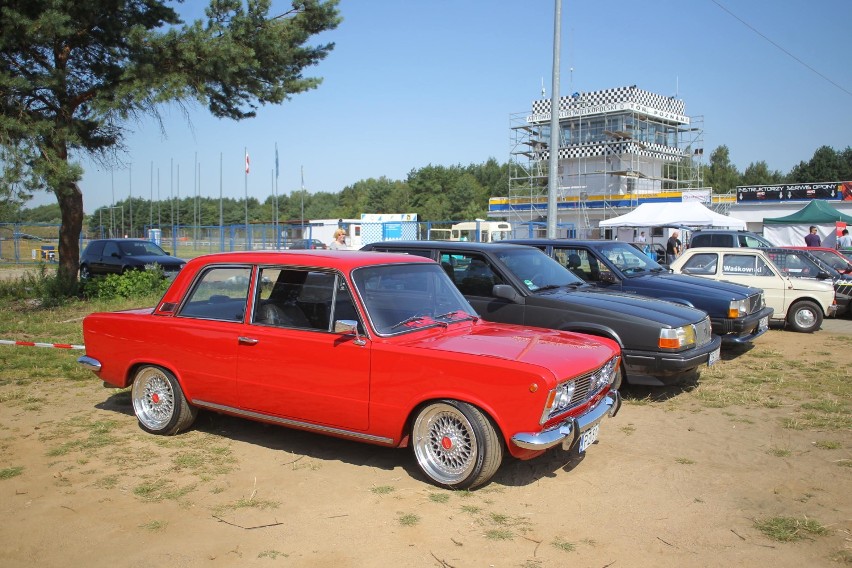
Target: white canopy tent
{"type": "Point", "coordinates": [679, 214]}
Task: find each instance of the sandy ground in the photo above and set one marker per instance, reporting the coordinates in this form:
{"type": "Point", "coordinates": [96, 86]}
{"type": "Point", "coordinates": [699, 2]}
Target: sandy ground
{"type": "Point", "coordinates": [671, 482]}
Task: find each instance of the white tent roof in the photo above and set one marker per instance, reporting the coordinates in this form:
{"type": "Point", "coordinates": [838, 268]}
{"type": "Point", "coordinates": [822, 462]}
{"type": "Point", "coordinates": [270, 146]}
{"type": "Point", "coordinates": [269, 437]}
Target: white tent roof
{"type": "Point", "coordinates": [679, 214]}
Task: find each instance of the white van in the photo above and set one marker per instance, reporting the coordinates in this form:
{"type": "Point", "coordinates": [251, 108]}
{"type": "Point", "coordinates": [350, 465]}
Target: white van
{"type": "Point", "coordinates": [801, 302]}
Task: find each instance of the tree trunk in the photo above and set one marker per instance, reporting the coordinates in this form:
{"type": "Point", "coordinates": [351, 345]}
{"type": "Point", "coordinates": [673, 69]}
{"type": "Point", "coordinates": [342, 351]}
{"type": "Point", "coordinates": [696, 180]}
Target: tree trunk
{"type": "Point", "coordinates": [70, 200]}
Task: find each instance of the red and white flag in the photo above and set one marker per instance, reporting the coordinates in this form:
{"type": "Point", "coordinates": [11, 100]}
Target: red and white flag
{"type": "Point", "coordinates": [247, 162]}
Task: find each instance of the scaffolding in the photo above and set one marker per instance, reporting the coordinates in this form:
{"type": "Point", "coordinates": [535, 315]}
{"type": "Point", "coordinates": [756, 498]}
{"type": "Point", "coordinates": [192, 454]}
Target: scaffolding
{"type": "Point", "coordinates": [616, 149]}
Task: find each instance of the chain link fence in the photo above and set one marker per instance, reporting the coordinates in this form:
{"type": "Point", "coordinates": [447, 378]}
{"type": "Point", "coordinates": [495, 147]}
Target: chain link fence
{"type": "Point", "coordinates": [32, 243]}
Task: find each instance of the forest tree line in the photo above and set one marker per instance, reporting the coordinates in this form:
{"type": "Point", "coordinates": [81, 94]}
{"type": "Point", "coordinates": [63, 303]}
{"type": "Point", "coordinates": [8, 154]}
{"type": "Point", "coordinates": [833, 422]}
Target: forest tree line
{"type": "Point", "coordinates": [435, 193]}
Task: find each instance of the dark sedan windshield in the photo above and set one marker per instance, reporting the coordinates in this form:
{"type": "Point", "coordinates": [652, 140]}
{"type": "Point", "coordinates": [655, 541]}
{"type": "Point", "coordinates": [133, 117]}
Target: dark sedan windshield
{"type": "Point", "coordinates": [628, 259]}
{"type": "Point", "coordinates": [537, 270]}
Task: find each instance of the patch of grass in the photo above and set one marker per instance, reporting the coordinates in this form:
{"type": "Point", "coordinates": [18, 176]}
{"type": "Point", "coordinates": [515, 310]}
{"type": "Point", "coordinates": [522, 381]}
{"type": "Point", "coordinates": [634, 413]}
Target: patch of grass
{"type": "Point", "coordinates": [273, 554]}
{"type": "Point", "coordinates": [563, 545]}
{"type": "Point", "coordinates": [789, 529]}
{"type": "Point", "coordinates": [779, 452]}
{"type": "Point", "coordinates": [471, 509]}
{"type": "Point", "coordinates": [154, 526]}
{"type": "Point", "coordinates": [844, 463]}
{"type": "Point", "coordinates": [160, 490]}
{"type": "Point", "coordinates": [828, 445]}
{"type": "Point", "coordinates": [439, 497]}
{"type": "Point", "coordinates": [684, 461]}
{"type": "Point", "coordinates": [10, 472]}
{"type": "Point", "coordinates": [409, 520]}
{"type": "Point", "coordinates": [108, 482]}
{"type": "Point", "coordinates": [246, 503]}
{"type": "Point", "coordinates": [382, 489]}
{"type": "Point", "coordinates": [629, 429]}
{"type": "Point", "coordinates": [499, 534]}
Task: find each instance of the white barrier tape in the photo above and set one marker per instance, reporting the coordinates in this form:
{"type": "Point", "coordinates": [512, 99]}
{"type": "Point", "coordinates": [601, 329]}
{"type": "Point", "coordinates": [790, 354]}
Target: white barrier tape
{"type": "Point", "coordinates": [34, 344]}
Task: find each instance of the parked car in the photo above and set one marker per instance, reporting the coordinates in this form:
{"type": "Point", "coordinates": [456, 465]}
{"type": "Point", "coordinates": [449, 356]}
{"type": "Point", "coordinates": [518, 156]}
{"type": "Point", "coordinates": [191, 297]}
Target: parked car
{"type": "Point", "coordinates": [662, 343]}
{"type": "Point", "coordinates": [307, 244]}
{"type": "Point", "coordinates": [377, 348]}
{"type": "Point", "coordinates": [117, 256]}
{"type": "Point", "coordinates": [738, 313]}
{"type": "Point", "coordinates": [830, 256]}
{"type": "Point", "coordinates": [801, 303]}
{"type": "Point", "coordinates": [802, 262]}
{"type": "Point", "coordinates": [727, 238]}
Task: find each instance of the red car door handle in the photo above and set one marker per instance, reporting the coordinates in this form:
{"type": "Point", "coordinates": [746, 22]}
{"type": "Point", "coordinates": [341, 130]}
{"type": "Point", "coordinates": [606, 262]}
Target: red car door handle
{"type": "Point", "coordinates": [247, 340]}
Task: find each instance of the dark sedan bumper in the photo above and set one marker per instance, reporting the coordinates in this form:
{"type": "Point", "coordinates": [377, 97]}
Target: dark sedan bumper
{"type": "Point", "coordinates": [742, 330]}
{"type": "Point", "coordinates": [655, 368]}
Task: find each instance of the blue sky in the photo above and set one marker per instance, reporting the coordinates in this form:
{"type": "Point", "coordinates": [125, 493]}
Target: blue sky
{"type": "Point", "coordinates": [416, 82]}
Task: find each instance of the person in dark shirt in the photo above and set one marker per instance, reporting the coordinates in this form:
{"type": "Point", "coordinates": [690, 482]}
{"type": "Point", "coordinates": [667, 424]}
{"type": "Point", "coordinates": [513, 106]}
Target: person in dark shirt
{"type": "Point", "coordinates": [812, 238]}
{"type": "Point", "coordinates": [672, 248]}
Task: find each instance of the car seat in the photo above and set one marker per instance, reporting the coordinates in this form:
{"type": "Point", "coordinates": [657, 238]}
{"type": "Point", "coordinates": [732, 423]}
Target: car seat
{"type": "Point", "coordinates": [574, 262]}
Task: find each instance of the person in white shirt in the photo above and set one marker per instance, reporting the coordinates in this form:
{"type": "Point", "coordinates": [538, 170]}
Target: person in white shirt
{"type": "Point", "coordinates": [845, 241]}
{"type": "Point", "coordinates": [339, 242]}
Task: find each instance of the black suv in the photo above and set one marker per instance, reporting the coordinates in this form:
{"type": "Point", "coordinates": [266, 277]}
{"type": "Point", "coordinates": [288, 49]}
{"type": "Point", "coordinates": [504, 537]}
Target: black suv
{"type": "Point", "coordinates": [738, 313]}
{"type": "Point", "coordinates": [722, 238]}
{"type": "Point", "coordinates": [117, 256]}
{"type": "Point", "coordinates": [662, 343]}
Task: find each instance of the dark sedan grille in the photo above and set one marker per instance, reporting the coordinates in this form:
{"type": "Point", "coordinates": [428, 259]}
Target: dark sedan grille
{"type": "Point", "coordinates": [755, 303]}
{"type": "Point", "coordinates": [703, 332]}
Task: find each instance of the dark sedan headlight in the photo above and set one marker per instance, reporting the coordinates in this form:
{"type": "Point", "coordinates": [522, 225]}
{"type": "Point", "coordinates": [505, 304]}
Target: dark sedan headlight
{"type": "Point", "coordinates": [677, 337]}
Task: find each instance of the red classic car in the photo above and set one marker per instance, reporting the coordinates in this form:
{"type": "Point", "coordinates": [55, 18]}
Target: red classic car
{"type": "Point", "coordinates": [374, 347]}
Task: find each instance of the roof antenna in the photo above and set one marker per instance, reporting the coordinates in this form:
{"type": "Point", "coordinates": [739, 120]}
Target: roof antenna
{"type": "Point", "coordinates": [543, 92]}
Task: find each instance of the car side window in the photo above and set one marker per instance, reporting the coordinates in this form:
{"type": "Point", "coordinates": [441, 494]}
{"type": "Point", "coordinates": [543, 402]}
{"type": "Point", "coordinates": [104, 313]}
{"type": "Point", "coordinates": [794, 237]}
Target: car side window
{"type": "Point", "coordinates": [577, 261]}
{"type": "Point", "coordinates": [110, 248]}
{"type": "Point", "coordinates": [95, 248]}
{"type": "Point", "coordinates": [734, 264]}
{"type": "Point", "coordinates": [298, 298]}
{"type": "Point", "coordinates": [219, 294]}
{"type": "Point", "coordinates": [704, 263]}
{"type": "Point", "coordinates": [472, 273]}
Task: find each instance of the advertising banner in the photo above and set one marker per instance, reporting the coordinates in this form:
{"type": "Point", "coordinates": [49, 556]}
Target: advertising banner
{"type": "Point", "coordinates": [792, 191]}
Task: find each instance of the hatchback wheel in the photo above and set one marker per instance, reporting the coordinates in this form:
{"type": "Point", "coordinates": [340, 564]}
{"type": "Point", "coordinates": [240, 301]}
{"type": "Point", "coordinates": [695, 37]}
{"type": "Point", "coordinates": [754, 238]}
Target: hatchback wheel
{"type": "Point", "coordinates": [805, 316]}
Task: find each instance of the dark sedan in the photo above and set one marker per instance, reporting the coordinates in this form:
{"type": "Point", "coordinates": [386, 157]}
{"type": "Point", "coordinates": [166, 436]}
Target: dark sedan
{"type": "Point", "coordinates": [117, 256]}
{"type": "Point", "coordinates": [662, 343]}
{"type": "Point", "coordinates": [738, 313]}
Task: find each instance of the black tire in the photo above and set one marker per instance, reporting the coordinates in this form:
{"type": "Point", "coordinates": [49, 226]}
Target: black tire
{"type": "Point", "coordinates": [85, 274]}
{"type": "Point", "coordinates": [456, 445]}
{"type": "Point", "coordinates": [159, 403]}
{"type": "Point", "coordinates": [804, 316]}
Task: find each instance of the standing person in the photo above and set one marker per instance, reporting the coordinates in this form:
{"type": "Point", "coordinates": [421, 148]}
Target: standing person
{"type": "Point", "coordinates": [845, 241]}
{"type": "Point", "coordinates": [339, 242]}
{"type": "Point", "coordinates": [641, 237]}
{"type": "Point", "coordinates": [672, 247]}
{"type": "Point", "coordinates": [812, 238]}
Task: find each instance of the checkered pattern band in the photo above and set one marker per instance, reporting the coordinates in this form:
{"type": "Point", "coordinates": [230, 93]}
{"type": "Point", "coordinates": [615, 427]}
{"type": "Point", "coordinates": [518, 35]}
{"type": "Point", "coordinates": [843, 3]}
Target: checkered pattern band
{"type": "Point", "coordinates": [630, 94]}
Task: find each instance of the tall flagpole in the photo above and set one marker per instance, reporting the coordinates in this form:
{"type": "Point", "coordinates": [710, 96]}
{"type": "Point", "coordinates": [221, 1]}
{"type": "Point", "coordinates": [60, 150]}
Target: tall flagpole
{"type": "Point", "coordinates": [151, 203]}
{"type": "Point", "coordinates": [275, 193]}
{"type": "Point", "coordinates": [221, 219]}
{"type": "Point", "coordinates": [303, 202]}
{"type": "Point", "coordinates": [130, 194]}
{"type": "Point", "coordinates": [246, 194]}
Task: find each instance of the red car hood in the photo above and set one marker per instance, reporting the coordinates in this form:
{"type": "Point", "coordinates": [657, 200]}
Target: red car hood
{"type": "Point", "coordinates": [569, 353]}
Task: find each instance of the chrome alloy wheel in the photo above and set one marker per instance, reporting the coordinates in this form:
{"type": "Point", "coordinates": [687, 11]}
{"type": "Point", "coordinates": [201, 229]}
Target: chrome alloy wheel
{"type": "Point", "coordinates": [153, 399]}
{"type": "Point", "coordinates": [445, 443]}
